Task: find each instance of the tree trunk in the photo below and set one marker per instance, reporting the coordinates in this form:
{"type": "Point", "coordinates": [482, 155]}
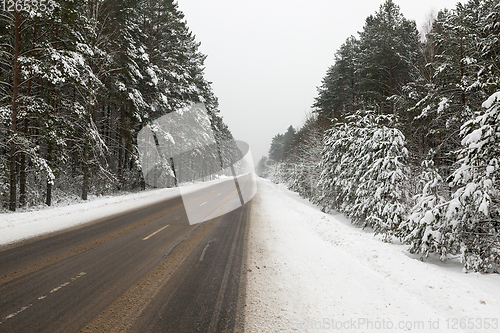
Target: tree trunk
{"type": "Point", "coordinates": [392, 87]}
{"type": "Point", "coordinates": [15, 93]}
{"type": "Point", "coordinates": [48, 199]}
{"type": "Point", "coordinates": [48, 194]}
{"type": "Point", "coordinates": [121, 131]}
{"type": "Point", "coordinates": [22, 171]}
{"type": "Point", "coordinates": [85, 166]}
{"type": "Point", "coordinates": [173, 170]}
{"type": "Point", "coordinates": [462, 69]}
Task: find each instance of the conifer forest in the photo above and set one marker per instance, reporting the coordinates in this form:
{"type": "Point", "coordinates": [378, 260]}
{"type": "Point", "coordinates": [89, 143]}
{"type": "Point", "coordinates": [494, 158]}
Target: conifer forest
{"type": "Point", "coordinates": [78, 80]}
{"type": "Point", "coordinates": [404, 136]}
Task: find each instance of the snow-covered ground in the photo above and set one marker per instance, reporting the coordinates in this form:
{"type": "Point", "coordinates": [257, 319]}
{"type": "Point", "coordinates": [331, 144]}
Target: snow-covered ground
{"type": "Point", "coordinates": [312, 272]}
{"type": "Point", "coordinates": [22, 225]}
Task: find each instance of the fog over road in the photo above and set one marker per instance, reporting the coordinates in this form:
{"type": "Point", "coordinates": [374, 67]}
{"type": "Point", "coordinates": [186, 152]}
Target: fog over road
{"type": "Point", "coordinates": [144, 271]}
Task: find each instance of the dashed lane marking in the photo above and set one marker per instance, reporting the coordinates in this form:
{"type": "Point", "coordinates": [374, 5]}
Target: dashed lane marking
{"type": "Point", "coordinates": [18, 312]}
{"type": "Point", "coordinates": [42, 297]}
{"type": "Point", "coordinates": [154, 233]}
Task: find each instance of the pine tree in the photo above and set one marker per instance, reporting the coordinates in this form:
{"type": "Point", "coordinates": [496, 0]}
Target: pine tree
{"type": "Point", "coordinates": [338, 96]}
{"type": "Point", "coordinates": [430, 89]}
{"type": "Point", "coordinates": [388, 47]}
{"type": "Point", "coordinates": [474, 211]}
{"type": "Point", "coordinates": [452, 83]}
{"type": "Point", "coordinates": [337, 182]}
{"type": "Point", "coordinates": [300, 170]}
{"type": "Point", "coordinates": [44, 64]}
{"type": "Point", "coordinates": [88, 75]}
{"type": "Point", "coordinates": [489, 59]}
{"type": "Point", "coordinates": [425, 229]}
{"type": "Point", "coordinates": [380, 200]}
{"type": "Point", "coordinates": [364, 172]}
{"type": "Point", "coordinates": [280, 144]}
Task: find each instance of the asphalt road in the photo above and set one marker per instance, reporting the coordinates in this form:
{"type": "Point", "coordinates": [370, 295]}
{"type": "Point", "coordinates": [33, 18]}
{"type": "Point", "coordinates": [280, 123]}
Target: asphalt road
{"type": "Point", "coordinates": [145, 271]}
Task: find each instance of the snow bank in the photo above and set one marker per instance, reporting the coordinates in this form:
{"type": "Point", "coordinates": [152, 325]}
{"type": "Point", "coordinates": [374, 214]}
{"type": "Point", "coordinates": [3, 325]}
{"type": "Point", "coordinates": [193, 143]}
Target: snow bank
{"type": "Point", "coordinates": [310, 271]}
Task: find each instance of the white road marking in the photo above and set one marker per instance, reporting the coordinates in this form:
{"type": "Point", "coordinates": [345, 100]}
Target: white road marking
{"type": "Point", "coordinates": [154, 233]}
{"type": "Point", "coordinates": [44, 296]}
{"type": "Point", "coordinates": [57, 288]}
{"type": "Point", "coordinates": [18, 312]}
{"type": "Point", "coordinates": [203, 203]}
{"type": "Point", "coordinates": [217, 195]}
{"type": "Point", "coordinates": [205, 249]}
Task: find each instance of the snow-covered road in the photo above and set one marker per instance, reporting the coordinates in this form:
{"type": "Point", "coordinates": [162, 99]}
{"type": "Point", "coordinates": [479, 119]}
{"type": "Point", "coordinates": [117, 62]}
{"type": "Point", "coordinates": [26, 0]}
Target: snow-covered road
{"type": "Point", "coordinates": [311, 272]}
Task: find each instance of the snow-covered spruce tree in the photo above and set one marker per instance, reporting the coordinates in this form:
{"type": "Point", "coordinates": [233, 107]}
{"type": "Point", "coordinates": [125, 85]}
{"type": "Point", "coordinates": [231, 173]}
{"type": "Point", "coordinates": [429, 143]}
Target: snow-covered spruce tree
{"type": "Point", "coordinates": [342, 164]}
{"type": "Point", "coordinates": [364, 172]}
{"type": "Point", "coordinates": [381, 197]}
{"type": "Point", "coordinates": [474, 211]}
{"type": "Point", "coordinates": [425, 226]}
{"type": "Point", "coordinates": [336, 181]}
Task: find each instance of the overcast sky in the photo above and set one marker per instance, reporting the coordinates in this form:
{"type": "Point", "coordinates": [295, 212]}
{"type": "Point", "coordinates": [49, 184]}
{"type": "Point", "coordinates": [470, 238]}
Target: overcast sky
{"type": "Point", "coordinates": [266, 57]}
